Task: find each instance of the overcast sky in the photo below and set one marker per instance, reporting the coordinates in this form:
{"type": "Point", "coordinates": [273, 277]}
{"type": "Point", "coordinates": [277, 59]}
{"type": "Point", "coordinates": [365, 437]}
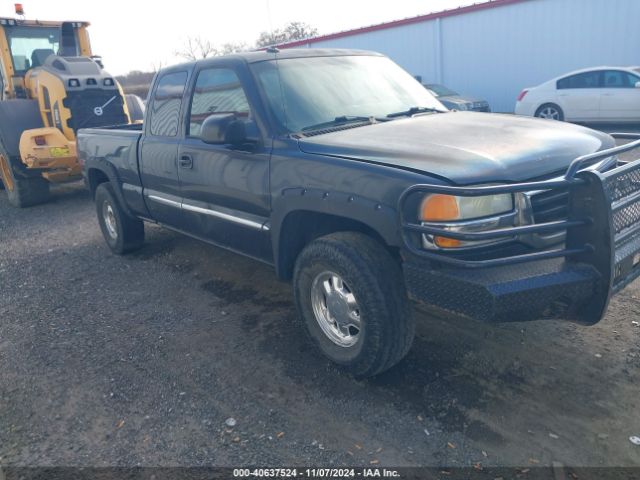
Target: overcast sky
{"type": "Point", "coordinates": [137, 34]}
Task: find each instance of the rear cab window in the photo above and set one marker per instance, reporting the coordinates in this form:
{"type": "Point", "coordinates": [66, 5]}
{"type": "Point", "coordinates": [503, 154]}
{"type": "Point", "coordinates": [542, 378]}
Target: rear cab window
{"type": "Point", "coordinates": [164, 108]}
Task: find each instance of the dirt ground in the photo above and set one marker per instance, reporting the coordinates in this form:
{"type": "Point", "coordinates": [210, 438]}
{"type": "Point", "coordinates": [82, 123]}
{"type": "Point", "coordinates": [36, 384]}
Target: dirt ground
{"type": "Point", "coordinates": [140, 360]}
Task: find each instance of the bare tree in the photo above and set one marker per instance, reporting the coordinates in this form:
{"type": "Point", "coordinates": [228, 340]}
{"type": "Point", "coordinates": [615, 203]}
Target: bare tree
{"type": "Point", "coordinates": [196, 48]}
{"type": "Point", "coordinates": [232, 47]}
{"type": "Point", "coordinates": [299, 31]}
{"type": "Point", "coordinates": [137, 82]}
{"type": "Point", "coordinates": [158, 65]}
{"type": "Point", "coordinates": [274, 37]}
{"type": "Point", "coordinates": [290, 32]}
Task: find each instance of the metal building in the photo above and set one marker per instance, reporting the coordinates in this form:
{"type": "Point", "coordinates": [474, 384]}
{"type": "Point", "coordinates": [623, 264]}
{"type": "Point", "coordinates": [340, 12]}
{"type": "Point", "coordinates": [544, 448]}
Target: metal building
{"type": "Point", "coordinates": [494, 49]}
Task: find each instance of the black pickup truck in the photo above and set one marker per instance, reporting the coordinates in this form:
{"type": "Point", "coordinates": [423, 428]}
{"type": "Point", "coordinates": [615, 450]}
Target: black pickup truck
{"type": "Point", "coordinates": [351, 179]}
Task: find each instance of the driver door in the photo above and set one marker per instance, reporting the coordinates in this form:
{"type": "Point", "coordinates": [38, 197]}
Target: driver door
{"type": "Point", "coordinates": [225, 188]}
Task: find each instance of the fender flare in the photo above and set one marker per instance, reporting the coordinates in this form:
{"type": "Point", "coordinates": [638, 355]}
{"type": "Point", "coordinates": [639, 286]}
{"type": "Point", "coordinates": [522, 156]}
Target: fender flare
{"type": "Point", "coordinates": [376, 216]}
{"type": "Point", "coordinates": [111, 173]}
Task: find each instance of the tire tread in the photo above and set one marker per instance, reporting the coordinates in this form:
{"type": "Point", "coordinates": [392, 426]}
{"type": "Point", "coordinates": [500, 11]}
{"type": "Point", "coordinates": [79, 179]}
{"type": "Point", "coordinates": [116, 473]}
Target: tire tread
{"type": "Point", "coordinates": [29, 188]}
{"type": "Point", "coordinates": [131, 231]}
{"type": "Point", "coordinates": [381, 274]}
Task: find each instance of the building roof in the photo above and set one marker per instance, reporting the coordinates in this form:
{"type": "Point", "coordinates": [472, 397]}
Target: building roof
{"type": "Point", "coordinates": [404, 21]}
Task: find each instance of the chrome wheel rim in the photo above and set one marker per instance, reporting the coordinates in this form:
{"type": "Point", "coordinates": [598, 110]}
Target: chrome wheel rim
{"type": "Point", "coordinates": [110, 220]}
{"type": "Point", "coordinates": [550, 113]}
{"type": "Point", "coordinates": [336, 309]}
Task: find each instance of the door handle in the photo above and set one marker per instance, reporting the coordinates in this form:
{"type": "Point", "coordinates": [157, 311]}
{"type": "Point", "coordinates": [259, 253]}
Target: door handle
{"type": "Point", "coordinates": [186, 161]}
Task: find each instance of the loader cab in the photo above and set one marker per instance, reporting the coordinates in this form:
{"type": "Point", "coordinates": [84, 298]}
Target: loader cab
{"type": "Point", "coordinates": [26, 44]}
{"type": "Point", "coordinates": [50, 87]}
{"type": "Point", "coordinates": [52, 62]}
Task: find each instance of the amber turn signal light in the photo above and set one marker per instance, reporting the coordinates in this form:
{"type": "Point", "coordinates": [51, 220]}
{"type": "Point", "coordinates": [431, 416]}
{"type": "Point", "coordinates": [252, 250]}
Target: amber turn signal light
{"type": "Point", "coordinates": [441, 208]}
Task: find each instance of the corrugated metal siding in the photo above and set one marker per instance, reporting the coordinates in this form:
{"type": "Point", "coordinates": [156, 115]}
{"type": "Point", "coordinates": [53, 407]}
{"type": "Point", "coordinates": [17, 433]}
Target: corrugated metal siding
{"type": "Point", "coordinates": [494, 53]}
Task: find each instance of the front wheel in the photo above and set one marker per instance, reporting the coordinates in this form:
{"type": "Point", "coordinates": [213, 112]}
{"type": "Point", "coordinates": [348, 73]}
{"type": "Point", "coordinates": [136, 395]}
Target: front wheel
{"type": "Point", "coordinates": [351, 298]}
{"type": "Point", "coordinates": [550, 111]}
{"type": "Point", "coordinates": [121, 232]}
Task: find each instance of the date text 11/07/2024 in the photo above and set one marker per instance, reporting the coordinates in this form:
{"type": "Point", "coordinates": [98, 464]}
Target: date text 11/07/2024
{"type": "Point", "coordinates": [316, 473]}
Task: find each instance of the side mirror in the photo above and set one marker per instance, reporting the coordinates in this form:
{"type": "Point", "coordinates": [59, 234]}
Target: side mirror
{"type": "Point", "coordinates": [637, 84]}
{"type": "Point", "coordinates": [223, 128]}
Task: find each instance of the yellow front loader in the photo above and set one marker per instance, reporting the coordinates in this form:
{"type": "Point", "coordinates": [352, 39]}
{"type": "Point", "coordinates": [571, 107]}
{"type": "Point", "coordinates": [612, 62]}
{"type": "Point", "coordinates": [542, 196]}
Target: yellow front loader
{"type": "Point", "coordinates": [50, 86]}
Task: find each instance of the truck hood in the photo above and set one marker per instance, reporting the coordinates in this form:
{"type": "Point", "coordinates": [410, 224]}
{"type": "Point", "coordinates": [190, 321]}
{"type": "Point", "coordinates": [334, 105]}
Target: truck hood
{"type": "Point", "coordinates": [465, 147]}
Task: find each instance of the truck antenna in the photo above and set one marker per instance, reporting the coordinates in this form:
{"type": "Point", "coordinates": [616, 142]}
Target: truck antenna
{"type": "Point", "coordinates": [269, 17]}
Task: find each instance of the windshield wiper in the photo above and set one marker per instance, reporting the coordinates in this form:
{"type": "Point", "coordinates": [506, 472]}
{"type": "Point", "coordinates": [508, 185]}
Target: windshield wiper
{"type": "Point", "coordinates": [415, 111]}
{"type": "Point", "coordinates": [341, 120]}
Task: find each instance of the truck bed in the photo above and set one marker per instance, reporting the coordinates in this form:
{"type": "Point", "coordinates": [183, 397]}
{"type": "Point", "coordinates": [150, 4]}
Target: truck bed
{"type": "Point", "coordinates": [110, 142]}
{"type": "Point", "coordinates": [115, 147]}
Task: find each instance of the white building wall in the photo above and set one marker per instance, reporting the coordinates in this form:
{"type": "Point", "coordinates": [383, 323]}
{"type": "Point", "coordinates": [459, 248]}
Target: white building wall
{"type": "Point", "coordinates": [495, 52]}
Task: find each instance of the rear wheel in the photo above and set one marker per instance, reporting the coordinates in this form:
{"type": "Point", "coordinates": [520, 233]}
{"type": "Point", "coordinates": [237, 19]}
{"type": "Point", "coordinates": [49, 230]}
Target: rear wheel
{"type": "Point", "coordinates": [350, 296]}
{"type": "Point", "coordinates": [23, 190]}
{"type": "Point", "coordinates": [121, 232]}
{"type": "Point", "coordinates": [550, 111]}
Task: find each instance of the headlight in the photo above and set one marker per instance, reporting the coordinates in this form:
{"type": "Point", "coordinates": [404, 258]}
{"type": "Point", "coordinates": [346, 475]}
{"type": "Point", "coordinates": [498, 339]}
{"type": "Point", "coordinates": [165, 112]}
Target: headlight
{"type": "Point", "coordinates": [446, 208]}
{"type": "Point", "coordinates": [463, 210]}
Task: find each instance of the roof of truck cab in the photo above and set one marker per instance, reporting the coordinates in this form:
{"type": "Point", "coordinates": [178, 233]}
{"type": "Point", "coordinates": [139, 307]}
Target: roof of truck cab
{"type": "Point", "coordinates": [264, 55]}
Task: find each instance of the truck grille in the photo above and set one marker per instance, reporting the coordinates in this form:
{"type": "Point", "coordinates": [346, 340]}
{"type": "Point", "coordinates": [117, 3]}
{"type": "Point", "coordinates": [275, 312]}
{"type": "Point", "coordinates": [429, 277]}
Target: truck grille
{"type": "Point", "coordinates": [550, 206]}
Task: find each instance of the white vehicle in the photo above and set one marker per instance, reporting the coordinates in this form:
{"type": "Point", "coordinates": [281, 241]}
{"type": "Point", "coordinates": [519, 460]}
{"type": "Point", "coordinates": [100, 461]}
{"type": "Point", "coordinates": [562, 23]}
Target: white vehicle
{"type": "Point", "coordinates": [600, 94]}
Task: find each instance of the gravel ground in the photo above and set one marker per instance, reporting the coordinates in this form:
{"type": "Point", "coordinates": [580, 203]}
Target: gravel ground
{"type": "Point", "coordinates": [140, 360]}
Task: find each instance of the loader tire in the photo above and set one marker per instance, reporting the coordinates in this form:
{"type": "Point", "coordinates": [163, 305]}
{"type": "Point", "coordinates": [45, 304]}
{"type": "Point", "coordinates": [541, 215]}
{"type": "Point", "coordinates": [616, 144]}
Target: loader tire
{"type": "Point", "coordinates": [136, 107]}
{"type": "Point", "coordinates": [23, 189]}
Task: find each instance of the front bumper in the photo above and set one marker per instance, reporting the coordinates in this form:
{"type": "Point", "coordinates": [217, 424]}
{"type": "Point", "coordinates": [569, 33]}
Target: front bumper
{"type": "Point", "coordinates": [545, 289]}
{"type": "Point", "coordinates": [575, 282]}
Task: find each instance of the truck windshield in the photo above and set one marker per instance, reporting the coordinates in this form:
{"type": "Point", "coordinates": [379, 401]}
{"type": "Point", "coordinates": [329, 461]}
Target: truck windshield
{"type": "Point", "coordinates": [303, 92]}
{"type": "Point", "coordinates": [30, 46]}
